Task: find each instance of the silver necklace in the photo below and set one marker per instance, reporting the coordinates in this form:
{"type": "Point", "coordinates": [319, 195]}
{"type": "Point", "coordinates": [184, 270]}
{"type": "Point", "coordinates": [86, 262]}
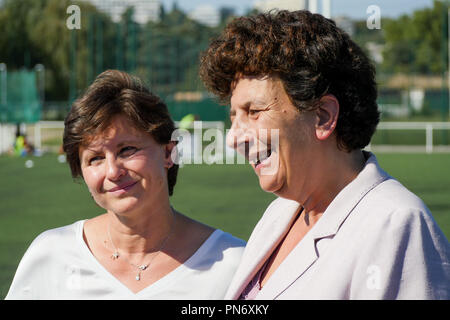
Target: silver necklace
{"type": "Point", "coordinates": [142, 267]}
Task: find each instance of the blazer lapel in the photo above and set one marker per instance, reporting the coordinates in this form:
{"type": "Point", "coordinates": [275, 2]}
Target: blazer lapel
{"type": "Point", "coordinates": [294, 265]}
{"type": "Point", "coordinates": [266, 236]}
{"type": "Point", "coordinates": [307, 252]}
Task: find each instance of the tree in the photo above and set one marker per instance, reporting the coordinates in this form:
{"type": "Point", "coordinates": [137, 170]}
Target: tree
{"type": "Point", "coordinates": [35, 31]}
{"type": "Point", "coordinates": [417, 43]}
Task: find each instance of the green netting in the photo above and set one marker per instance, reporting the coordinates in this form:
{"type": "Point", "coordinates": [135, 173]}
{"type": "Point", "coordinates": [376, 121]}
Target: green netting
{"type": "Point", "coordinates": [22, 98]}
{"type": "Point", "coordinates": [206, 110]}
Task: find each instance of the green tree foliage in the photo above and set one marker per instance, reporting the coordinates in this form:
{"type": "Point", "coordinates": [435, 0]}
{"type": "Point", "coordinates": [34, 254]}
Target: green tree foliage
{"type": "Point", "coordinates": [35, 31]}
{"type": "Point", "coordinates": [164, 53]}
{"type": "Point", "coordinates": [170, 52]}
{"type": "Point", "coordinates": [417, 43]}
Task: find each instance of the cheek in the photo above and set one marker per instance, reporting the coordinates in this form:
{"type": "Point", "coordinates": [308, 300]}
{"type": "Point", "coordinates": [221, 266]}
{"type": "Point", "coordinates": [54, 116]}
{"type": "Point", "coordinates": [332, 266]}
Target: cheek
{"type": "Point", "coordinates": [154, 171]}
{"type": "Point", "coordinates": [145, 170]}
{"type": "Point", "coordinates": [93, 177]}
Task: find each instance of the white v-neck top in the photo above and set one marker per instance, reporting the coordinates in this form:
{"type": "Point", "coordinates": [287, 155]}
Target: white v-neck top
{"type": "Point", "coordinates": [59, 265]}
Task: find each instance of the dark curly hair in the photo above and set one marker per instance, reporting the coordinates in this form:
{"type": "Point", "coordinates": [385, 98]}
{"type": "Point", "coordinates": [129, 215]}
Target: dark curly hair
{"type": "Point", "coordinates": [310, 55]}
{"type": "Point", "coordinates": [116, 93]}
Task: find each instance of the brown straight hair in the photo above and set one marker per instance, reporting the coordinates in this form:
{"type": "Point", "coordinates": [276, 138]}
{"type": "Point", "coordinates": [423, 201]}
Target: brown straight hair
{"type": "Point", "coordinates": [116, 93]}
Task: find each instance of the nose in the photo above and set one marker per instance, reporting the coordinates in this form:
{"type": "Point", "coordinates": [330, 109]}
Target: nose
{"type": "Point", "coordinates": [240, 137]}
{"type": "Point", "coordinates": [114, 169]}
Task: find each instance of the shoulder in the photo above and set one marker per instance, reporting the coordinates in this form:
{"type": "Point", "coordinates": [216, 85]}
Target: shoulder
{"type": "Point", "coordinates": [225, 239]}
{"type": "Point", "coordinates": [393, 207]}
{"type": "Point", "coordinates": [395, 221]}
{"type": "Point", "coordinates": [392, 210]}
{"type": "Point", "coordinates": [385, 195]}
{"type": "Point", "coordinates": [394, 233]}
{"type": "Point", "coordinates": [396, 195]}
{"type": "Point", "coordinates": [220, 242]}
{"type": "Point", "coordinates": [198, 243]}
{"type": "Point", "coordinates": [44, 259]}
{"type": "Point", "coordinates": [55, 238]}
{"type": "Point", "coordinates": [50, 244]}
{"type": "Point", "coordinates": [220, 248]}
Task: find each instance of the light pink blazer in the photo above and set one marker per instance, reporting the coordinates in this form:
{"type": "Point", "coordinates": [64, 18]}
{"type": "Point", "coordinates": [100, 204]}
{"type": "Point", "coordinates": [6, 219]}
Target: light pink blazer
{"type": "Point", "coordinates": [376, 240]}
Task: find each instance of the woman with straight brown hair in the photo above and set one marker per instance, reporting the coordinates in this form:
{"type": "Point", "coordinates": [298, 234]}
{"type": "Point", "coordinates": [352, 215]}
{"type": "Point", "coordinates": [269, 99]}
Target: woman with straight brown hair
{"type": "Point", "coordinates": [117, 138]}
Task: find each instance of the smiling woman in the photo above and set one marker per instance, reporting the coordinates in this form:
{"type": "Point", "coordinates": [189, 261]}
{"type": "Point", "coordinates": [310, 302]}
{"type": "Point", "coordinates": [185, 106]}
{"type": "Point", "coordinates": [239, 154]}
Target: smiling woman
{"type": "Point", "coordinates": [340, 223]}
{"type": "Point", "coordinates": [117, 137]}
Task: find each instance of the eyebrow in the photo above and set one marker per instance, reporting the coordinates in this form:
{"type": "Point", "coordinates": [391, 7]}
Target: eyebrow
{"type": "Point", "coordinates": [257, 102]}
{"type": "Point", "coordinates": [242, 105]}
{"type": "Point", "coordinates": [119, 145]}
{"type": "Point", "coordinates": [126, 142]}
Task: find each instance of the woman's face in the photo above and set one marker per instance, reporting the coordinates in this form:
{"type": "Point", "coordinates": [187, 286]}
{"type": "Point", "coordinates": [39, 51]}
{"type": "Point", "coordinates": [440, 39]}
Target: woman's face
{"type": "Point", "coordinates": [274, 136]}
{"type": "Point", "coordinates": [124, 168]}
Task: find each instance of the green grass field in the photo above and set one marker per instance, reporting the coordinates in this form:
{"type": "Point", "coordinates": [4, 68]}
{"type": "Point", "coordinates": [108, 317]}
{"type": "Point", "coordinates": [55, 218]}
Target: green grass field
{"type": "Point", "coordinates": [224, 196]}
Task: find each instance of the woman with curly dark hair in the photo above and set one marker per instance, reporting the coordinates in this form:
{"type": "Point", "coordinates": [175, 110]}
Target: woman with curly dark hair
{"type": "Point", "coordinates": [303, 107]}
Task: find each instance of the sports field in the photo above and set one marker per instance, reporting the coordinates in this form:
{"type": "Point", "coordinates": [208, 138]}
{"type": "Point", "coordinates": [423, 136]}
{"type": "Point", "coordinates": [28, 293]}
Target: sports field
{"type": "Point", "coordinates": [224, 196]}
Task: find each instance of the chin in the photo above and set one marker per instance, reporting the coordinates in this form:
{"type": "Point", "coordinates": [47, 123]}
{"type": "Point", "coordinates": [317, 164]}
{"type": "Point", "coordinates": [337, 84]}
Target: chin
{"type": "Point", "coordinates": [125, 207]}
{"type": "Point", "coordinates": [270, 184]}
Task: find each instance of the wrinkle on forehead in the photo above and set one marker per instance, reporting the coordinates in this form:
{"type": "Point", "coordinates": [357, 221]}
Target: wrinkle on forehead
{"type": "Point", "coordinates": [267, 88]}
{"type": "Point", "coordinates": [101, 136]}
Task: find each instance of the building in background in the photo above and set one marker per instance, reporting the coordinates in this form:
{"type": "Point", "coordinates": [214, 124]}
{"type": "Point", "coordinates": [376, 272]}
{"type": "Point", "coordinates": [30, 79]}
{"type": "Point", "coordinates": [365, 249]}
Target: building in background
{"type": "Point", "coordinates": [144, 10]}
{"type": "Point", "coordinates": [346, 24]}
{"type": "Point", "coordinates": [206, 14]}
{"type": "Point", "coordinates": [292, 5]}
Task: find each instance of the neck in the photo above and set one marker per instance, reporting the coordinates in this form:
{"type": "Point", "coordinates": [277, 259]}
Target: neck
{"type": "Point", "coordinates": [328, 180]}
{"type": "Point", "coordinates": [140, 234]}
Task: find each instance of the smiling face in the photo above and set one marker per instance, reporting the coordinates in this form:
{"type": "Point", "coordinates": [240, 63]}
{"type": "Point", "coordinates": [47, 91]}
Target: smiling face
{"type": "Point", "coordinates": [124, 168]}
{"type": "Point", "coordinates": [272, 133]}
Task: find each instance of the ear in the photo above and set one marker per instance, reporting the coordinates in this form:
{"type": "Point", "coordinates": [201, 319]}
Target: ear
{"type": "Point", "coordinates": [168, 148]}
{"type": "Point", "coordinates": [326, 116]}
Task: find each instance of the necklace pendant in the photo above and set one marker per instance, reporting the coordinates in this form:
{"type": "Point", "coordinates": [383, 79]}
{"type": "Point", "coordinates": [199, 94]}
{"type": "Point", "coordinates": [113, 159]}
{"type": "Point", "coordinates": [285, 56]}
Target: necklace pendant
{"type": "Point", "coordinates": [143, 267]}
{"type": "Point", "coordinates": [138, 277]}
{"type": "Point", "coordinates": [115, 255]}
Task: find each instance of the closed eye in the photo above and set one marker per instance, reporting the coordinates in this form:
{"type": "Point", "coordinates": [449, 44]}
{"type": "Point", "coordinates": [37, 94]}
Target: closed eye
{"type": "Point", "coordinates": [95, 159]}
{"type": "Point", "coordinates": [254, 112]}
{"type": "Point", "coordinates": [127, 151]}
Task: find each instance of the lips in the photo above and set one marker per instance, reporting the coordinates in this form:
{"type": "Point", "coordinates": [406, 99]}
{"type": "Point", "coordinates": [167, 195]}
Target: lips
{"type": "Point", "coordinates": [123, 187]}
{"type": "Point", "coordinates": [260, 158]}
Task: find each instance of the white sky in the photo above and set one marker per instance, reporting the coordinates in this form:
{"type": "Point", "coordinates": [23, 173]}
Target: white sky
{"type": "Point", "coordinates": [351, 8]}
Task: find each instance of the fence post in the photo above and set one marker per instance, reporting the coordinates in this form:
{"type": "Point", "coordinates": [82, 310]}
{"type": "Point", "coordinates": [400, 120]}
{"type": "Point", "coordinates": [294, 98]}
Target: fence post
{"type": "Point", "coordinates": [1, 138]}
{"type": "Point", "coordinates": [429, 138]}
{"type": "Point", "coordinates": [3, 84]}
{"type": "Point", "coordinates": [37, 136]}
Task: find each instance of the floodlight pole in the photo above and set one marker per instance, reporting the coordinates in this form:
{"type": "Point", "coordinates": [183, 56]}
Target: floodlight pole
{"type": "Point", "coordinates": [3, 88]}
{"type": "Point", "coordinates": [3, 75]}
{"type": "Point", "coordinates": [326, 8]}
{"type": "Point", "coordinates": [40, 70]}
{"type": "Point", "coordinates": [312, 4]}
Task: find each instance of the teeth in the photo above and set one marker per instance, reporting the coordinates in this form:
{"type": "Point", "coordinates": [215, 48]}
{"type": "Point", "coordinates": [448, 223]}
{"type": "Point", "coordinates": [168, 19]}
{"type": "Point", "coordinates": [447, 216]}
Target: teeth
{"type": "Point", "coordinates": [260, 157]}
{"type": "Point", "coordinates": [266, 155]}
